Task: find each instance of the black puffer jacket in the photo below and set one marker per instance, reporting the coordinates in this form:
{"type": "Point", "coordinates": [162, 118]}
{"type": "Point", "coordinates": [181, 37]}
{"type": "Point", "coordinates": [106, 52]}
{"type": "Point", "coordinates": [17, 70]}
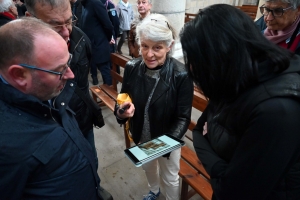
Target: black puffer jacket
{"type": "Point", "coordinates": [171, 103]}
{"type": "Point", "coordinates": [252, 148]}
{"type": "Point", "coordinates": [80, 47]}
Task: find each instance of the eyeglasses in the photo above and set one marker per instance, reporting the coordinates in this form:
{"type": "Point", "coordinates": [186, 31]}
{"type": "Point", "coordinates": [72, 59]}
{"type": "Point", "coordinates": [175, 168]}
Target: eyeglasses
{"type": "Point", "coordinates": [50, 71]}
{"type": "Point", "coordinates": [155, 20]}
{"type": "Point", "coordinates": [277, 12]}
{"type": "Point", "coordinates": [68, 24]}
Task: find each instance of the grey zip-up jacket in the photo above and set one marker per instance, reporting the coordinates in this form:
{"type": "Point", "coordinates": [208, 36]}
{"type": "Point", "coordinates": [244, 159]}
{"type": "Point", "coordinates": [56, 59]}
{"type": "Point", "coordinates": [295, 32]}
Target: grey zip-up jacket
{"type": "Point", "coordinates": [125, 16]}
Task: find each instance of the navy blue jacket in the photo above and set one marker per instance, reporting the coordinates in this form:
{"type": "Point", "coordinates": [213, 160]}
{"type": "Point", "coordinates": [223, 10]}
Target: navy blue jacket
{"type": "Point", "coordinates": [43, 154]}
{"type": "Point", "coordinates": [96, 24]}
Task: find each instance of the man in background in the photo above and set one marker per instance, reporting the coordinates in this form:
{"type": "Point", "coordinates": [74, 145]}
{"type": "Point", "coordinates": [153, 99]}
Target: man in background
{"type": "Point", "coordinates": [144, 8]}
{"type": "Point", "coordinates": [43, 154]}
{"type": "Point", "coordinates": [98, 27]}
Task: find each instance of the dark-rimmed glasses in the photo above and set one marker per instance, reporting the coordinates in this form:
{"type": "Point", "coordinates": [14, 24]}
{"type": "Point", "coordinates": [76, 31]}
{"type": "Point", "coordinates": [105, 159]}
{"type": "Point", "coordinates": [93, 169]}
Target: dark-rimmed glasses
{"type": "Point", "coordinates": [277, 12]}
{"type": "Point", "coordinates": [160, 20]}
{"type": "Point", "coordinates": [50, 71]}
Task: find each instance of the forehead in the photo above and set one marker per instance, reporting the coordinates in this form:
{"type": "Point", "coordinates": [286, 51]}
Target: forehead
{"type": "Point", "coordinates": [140, 1]}
{"type": "Point", "coordinates": [49, 13]}
{"type": "Point", "coordinates": [149, 42]}
{"type": "Point", "coordinates": [276, 4]}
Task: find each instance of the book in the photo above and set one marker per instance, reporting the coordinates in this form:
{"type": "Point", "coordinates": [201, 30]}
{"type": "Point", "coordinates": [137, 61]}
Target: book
{"type": "Point", "coordinates": [150, 150]}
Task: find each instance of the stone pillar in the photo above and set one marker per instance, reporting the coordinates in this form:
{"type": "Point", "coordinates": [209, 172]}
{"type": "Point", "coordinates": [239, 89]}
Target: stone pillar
{"type": "Point", "coordinates": [258, 14]}
{"type": "Point", "coordinates": [174, 10]}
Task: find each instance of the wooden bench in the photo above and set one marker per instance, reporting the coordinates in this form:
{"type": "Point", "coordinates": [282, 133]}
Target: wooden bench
{"type": "Point", "coordinates": [189, 16]}
{"type": "Point", "coordinates": [250, 10]}
{"type": "Point", "coordinates": [191, 171]}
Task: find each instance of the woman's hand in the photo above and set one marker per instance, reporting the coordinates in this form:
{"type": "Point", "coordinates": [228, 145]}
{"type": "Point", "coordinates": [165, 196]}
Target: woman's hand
{"type": "Point", "coordinates": [204, 129]}
{"type": "Point", "coordinates": [126, 110]}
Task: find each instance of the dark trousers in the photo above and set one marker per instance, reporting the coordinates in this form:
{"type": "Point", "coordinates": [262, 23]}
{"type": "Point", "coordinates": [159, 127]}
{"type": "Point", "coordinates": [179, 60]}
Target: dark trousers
{"type": "Point", "coordinates": [104, 68]}
{"type": "Point", "coordinates": [122, 39]}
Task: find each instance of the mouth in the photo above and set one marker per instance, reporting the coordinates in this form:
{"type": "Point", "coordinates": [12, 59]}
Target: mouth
{"type": "Point", "coordinates": [151, 61]}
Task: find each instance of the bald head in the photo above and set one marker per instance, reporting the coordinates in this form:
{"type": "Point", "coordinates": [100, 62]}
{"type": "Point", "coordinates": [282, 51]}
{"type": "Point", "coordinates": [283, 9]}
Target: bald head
{"type": "Point", "coordinates": [17, 40]}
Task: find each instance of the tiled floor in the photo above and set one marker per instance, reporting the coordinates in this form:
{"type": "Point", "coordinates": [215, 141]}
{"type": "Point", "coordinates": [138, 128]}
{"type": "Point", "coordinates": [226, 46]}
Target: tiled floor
{"type": "Point", "coordinates": [118, 175]}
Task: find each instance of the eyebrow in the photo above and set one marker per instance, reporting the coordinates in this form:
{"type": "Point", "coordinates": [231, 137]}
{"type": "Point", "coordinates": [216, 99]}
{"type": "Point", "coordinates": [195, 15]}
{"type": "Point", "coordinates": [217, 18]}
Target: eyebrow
{"type": "Point", "coordinates": [53, 21]}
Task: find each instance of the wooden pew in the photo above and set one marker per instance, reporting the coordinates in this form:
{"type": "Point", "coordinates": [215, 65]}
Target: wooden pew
{"type": "Point", "coordinates": [189, 17]}
{"type": "Point", "coordinates": [251, 10]}
{"type": "Point", "coordinates": [191, 171]}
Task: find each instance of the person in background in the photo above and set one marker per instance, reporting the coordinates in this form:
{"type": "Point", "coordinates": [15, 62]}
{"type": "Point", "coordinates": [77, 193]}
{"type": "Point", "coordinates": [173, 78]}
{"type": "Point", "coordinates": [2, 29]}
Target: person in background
{"type": "Point", "coordinates": [8, 11]}
{"type": "Point", "coordinates": [144, 7]}
{"type": "Point", "coordinates": [125, 14]}
{"type": "Point", "coordinates": [20, 7]}
{"type": "Point", "coordinates": [161, 93]}
{"type": "Point", "coordinates": [248, 136]}
{"type": "Point", "coordinates": [282, 21]}
{"type": "Point", "coordinates": [113, 16]}
{"type": "Point", "coordinates": [58, 14]}
{"type": "Point", "coordinates": [43, 153]}
{"type": "Point", "coordinates": [98, 27]}
{"type": "Point", "coordinates": [76, 7]}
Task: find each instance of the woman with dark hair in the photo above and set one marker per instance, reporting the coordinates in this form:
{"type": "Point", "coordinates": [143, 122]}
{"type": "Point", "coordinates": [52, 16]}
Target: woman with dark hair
{"type": "Point", "coordinates": [248, 136]}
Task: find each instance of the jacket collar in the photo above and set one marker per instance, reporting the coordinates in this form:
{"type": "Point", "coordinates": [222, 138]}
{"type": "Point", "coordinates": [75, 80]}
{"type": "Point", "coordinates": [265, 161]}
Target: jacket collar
{"type": "Point", "coordinates": [8, 15]}
{"type": "Point", "coordinates": [266, 71]}
{"type": "Point", "coordinates": [16, 98]}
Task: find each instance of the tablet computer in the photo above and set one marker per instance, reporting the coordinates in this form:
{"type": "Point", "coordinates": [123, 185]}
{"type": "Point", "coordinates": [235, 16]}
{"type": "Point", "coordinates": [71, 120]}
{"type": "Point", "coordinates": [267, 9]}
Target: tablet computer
{"type": "Point", "coordinates": [153, 149]}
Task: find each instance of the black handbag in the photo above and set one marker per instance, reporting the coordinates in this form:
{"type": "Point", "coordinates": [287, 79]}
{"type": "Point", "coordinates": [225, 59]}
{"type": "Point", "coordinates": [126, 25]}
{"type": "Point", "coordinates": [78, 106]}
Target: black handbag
{"type": "Point", "coordinates": [98, 120]}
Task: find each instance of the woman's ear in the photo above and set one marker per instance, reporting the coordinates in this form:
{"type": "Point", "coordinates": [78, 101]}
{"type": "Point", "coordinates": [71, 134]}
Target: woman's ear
{"type": "Point", "coordinates": [171, 46]}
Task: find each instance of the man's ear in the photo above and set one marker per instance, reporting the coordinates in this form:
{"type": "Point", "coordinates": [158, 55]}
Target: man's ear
{"type": "Point", "coordinates": [27, 14]}
{"type": "Point", "coordinates": [18, 77]}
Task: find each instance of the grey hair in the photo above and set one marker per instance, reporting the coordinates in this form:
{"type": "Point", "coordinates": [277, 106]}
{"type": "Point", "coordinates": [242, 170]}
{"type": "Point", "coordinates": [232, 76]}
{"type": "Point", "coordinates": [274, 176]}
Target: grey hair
{"type": "Point", "coordinates": [294, 3]}
{"type": "Point", "coordinates": [5, 5]}
{"type": "Point", "coordinates": [157, 28]}
{"type": "Point", "coordinates": [30, 4]}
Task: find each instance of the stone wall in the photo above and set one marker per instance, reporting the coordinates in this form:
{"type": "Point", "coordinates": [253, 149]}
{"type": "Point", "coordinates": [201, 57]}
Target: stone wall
{"type": "Point", "coordinates": [193, 6]}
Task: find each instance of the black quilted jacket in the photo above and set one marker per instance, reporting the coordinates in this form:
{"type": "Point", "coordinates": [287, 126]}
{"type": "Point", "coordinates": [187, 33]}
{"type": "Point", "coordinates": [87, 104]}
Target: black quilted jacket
{"type": "Point", "coordinates": [252, 148]}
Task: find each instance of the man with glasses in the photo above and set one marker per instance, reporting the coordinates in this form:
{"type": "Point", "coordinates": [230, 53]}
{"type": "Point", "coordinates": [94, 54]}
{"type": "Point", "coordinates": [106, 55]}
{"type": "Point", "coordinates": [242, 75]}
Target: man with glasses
{"type": "Point", "coordinates": [43, 154]}
{"type": "Point", "coordinates": [144, 8]}
{"type": "Point", "coordinates": [282, 23]}
{"type": "Point", "coordinates": [58, 14]}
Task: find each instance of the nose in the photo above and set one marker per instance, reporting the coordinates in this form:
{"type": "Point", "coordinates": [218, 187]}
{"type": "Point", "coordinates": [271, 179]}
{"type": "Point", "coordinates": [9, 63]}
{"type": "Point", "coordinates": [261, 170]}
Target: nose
{"type": "Point", "coordinates": [150, 53]}
{"type": "Point", "coordinates": [65, 32]}
{"type": "Point", "coordinates": [269, 17]}
{"type": "Point", "coordinates": [68, 75]}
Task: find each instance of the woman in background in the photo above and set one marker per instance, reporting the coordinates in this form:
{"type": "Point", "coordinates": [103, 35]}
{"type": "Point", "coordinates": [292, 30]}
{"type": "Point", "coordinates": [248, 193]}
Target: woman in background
{"type": "Point", "coordinates": [248, 136]}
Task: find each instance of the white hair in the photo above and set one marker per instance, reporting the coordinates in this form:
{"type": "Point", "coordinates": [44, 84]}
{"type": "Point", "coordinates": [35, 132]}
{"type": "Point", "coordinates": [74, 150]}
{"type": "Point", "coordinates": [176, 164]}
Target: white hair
{"type": "Point", "coordinates": [157, 28]}
{"type": "Point", "coordinates": [5, 5]}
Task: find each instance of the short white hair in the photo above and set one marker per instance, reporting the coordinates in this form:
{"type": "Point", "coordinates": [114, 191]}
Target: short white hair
{"type": "Point", "coordinates": [157, 28]}
{"type": "Point", "coordinates": [5, 5]}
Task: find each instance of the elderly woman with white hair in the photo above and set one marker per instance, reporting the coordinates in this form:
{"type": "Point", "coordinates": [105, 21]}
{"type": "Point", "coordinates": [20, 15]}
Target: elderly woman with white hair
{"type": "Point", "coordinates": [8, 11]}
{"type": "Point", "coordinates": [161, 93]}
